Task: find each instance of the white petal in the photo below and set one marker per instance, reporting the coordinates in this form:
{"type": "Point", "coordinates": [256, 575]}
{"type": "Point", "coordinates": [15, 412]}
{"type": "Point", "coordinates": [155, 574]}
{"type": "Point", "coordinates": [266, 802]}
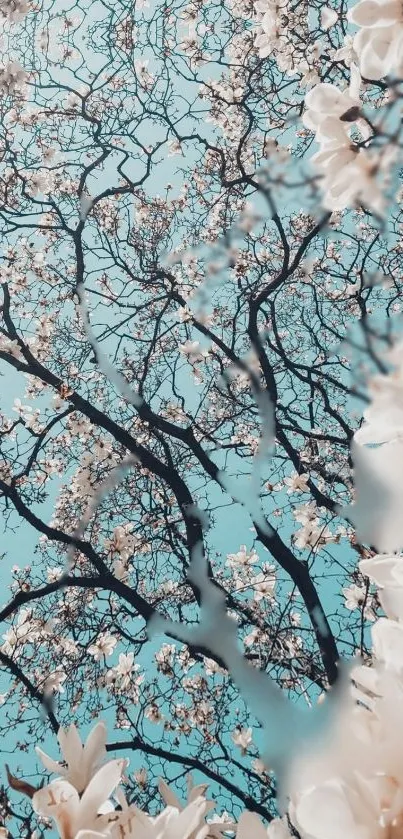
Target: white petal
{"type": "Point", "coordinates": [89, 834]}
{"type": "Point", "coordinates": [377, 511]}
{"type": "Point", "coordinates": [328, 17]}
{"type": "Point", "coordinates": [249, 826]}
{"type": "Point", "coordinates": [168, 796]}
{"type": "Point", "coordinates": [391, 600]}
{"type": "Point", "coordinates": [71, 745]}
{"type": "Point", "coordinates": [387, 642]}
{"type": "Point", "coordinates": [370, 14]}
{"type": "Point", "coordinates": [355, 82]}
{"type": "Point", "coordinates": [332, 130]}
{"type": "Point", "coordinates": [59, 801]}
{"type": "Point", "coordinates": [375, 53]}
{"type": "Point", "coordinates": [325, 812]}
{"type": "Point", "coordinates": [325, 98]}
{"type": "Point", "coordinates": [94, 749]}
{"type": "Point", "coordinates": [383, 569]}
{"type": "Point", "coordinates": [49, 763]}
{"type": "Point", "coordinates": [100, 788]}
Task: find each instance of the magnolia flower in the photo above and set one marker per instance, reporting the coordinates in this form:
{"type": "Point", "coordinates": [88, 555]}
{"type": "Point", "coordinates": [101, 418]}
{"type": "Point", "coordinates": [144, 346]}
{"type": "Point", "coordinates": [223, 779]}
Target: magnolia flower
{"type": "Point", "coordinates": [55, 681]}
{"type": "Point", "coordinates": [40, 183]}
{"type": "Point", "coordinates": [312, 534]}
{"type": "Point", "coordinates": [124, 670]}
{"type": "Point", "coordinates": [347, 170]}
{"type": "Point", "coordinates": [347, 52]}
{"type": "Point", "coordinates": [379, 43]}
{"type": "Point", "coordinates": [196, 792]}
{"type": "Point", "coordinates": [103, 646]}
{"type": "Point", "coordinates": [387, 634]}
{"type": "Point", "coordinates": [354, 597]}
{"type": "Point", "coordinates": [242, 558]}
{"type": "Point", "coordinates": [383, 419]}
{"type": "Point", "coordinates": [297, 483]}
{"type": "Point", "coordinates": [23, 631]}
{"type": "Point", "coordinates": [172, 823]}
{"type": "Point", "coordinates": [348, 177]}
{"type": "Point", "coordinates": [61, 802]}
{"type": "Point", "coordinates": [82, 761]}
{"type": "Point", "coordinates": [242, 737]}
{"type": "Point", "coordinates": [263, 584]}
{"type": "Point", "coordinates": [326, 100]}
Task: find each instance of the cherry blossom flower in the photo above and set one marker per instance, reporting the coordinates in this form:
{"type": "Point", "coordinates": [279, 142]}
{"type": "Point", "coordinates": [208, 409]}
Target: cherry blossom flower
{"type": "Point", "coordinates": [82, 761]}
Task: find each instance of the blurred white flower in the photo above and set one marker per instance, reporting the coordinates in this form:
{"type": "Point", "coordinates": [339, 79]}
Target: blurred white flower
{"type": "Point", "coordinates": [242, 737]}
{"type": "Point", "coordinates": [328, 17]}
{"type": "Point", "coordinates": [379, 43]}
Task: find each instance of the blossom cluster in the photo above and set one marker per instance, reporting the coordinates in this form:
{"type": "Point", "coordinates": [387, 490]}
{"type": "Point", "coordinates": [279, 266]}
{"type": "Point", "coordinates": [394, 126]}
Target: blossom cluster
{"type": "Point", "coordinates": [86, 800]}
{"type": "Point", "coordinates": [346, 167]}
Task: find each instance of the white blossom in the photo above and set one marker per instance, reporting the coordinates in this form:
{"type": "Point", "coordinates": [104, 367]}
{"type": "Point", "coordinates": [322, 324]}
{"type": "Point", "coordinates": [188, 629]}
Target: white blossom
{"type": "Point", "coordinates": [82, 761]}
{"type": "Point", "coordinates": [379, 43]}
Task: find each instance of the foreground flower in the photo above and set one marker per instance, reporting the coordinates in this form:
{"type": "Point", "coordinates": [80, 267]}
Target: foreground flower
{"type": "Point", "coordinates": [379, 43]}
{"type": "Point", "coordinates": [354, 788]}
{"type": "Point", "coordinates": [82, 761]}
{"type": "Point", "coordinates": [172, 823]}
{"type": "Point", "coordinates": [376, 512]}
{"type": "Point", "coordinates": [348, 171]}
{"type": "Point", "coordinates": [61, 802]}
{"type": "Point", "coordinates": [326, 100]}
{"type": "Point", "coordinates": [250, 827]}
{"type": "Point", "coordinates": [217, 828]}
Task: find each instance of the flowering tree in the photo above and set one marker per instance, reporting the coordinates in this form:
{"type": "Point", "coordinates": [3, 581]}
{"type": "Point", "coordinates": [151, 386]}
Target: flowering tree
{"type": "Point", "coordinates": [188, 284]}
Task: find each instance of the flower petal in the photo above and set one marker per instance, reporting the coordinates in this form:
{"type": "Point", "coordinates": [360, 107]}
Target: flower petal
{"type": "Point", "coordinates": [168, 796]}
{"type": "Point", "coordinates": [95, 745]}
{"type": "Point", "coordinates": [249, 826]}
{"type": "Point", "coordinates": [49, 763]}
{"type": "Point", "coordinates": [100, 789]}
